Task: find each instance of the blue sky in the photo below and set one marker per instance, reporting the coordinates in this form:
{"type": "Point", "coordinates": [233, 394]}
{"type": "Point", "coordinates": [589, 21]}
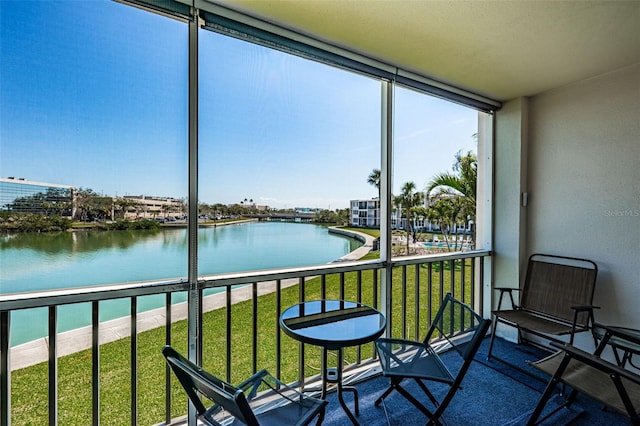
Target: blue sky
{"type": "Point", "coordinates": [94, 95]}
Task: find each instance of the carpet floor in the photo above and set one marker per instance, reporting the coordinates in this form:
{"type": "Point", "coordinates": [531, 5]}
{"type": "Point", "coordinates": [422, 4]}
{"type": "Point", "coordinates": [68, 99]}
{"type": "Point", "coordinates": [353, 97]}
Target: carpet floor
{"type": "Point", "coordinates": [493, 393]}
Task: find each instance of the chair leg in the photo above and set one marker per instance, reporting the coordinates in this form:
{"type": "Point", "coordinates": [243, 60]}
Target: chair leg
{"type": "Point", "coordinates": [320, 417]}
{"type": "Point", "coordinates": [555, 379]}
{"type": "Point", "coordinates": [493, 336]}
{"type": "Point", "coordinates": [541, 403]}
{"type": "Point", "coordinates": [414, 401]}
{"type": "Point", "coordinates": [395, 385]}
{"type": "Point", "coordinates": [427, 392]}
{"type": "Point", "coordinates": [385, 394]}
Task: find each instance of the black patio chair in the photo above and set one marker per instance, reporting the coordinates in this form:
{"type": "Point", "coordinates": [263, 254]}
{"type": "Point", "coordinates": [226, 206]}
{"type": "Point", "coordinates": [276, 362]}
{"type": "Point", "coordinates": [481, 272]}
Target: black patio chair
{"type": "Point", "coordinates": [456, 326]}
{"type": "Point", "coordinates": [258, 401]}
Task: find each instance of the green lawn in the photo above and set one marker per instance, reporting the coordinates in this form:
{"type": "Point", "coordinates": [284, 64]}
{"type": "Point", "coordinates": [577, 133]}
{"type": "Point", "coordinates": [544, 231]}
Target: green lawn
{"type": "Point", "coordinates": [29, 385]}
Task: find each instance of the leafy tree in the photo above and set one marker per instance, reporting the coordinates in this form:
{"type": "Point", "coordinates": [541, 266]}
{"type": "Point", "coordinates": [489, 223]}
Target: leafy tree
{"type": "Point", "coordinates": [343, 216]}
{"type": "Point", "coordinates": [326, 216]}
{"type": "Point", "coordinates": [337, 216]}
{"type": "Point", "coordinates": [29, 222]}
{"type": "Point", "coordinates": [90, 205]}
{"type": "Point", "coordinates": [122, 205]}
{"type": "Point", "coordinates": [220, 209]}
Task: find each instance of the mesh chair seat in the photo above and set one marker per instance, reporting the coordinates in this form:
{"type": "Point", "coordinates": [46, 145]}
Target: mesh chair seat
{"type": "Point", "coordinates": [261, 400]}
{"type": "Point", "coordinates": [405, 358]}
{"type": "Point", "coordinates": [526, 320]}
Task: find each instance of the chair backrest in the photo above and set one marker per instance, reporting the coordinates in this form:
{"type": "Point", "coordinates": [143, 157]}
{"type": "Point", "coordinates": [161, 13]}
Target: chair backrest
{"type": "Point", "coordinates": [555, 283]}
{"type": "Point", "coordinates": [195, 380]}
{"type": "Point", "coordinates": [460, 326]}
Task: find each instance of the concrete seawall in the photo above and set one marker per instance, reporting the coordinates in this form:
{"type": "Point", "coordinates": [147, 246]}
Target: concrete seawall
{"type": "Point", "coordinates": [366, 239]}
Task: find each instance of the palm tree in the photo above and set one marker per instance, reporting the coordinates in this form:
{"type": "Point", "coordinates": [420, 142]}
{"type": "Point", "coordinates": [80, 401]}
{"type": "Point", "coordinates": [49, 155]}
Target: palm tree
{"type": "Point", "coordinates": [446, 213]}
{"type": "Point", "coordinates": [464, 183]}
{"type": "Point", "coordinates": [408, 200]}
{"type": "Point", "coordinates": [461, 186]}
{"type": "Point", "coordinates": [374, 179]}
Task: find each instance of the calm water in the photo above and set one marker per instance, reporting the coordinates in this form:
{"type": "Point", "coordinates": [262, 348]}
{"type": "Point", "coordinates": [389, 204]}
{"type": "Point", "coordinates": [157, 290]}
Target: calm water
{"type": "Point", "coordinates": [30, 262]}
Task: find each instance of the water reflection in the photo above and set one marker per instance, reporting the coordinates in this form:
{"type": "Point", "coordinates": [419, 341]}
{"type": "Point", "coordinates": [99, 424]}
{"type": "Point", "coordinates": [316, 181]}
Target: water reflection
{"type": "Point", "coordinates": [76, 241]}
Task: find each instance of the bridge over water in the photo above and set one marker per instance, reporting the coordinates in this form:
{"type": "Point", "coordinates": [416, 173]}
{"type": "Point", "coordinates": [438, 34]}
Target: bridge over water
{"type": "Point", "coordinates": [283, 217]}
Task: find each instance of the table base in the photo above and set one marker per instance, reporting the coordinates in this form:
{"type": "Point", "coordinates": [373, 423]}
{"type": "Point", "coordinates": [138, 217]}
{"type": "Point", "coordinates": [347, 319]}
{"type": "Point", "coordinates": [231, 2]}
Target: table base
{"type": "Point", "coordinates": [331, 375]}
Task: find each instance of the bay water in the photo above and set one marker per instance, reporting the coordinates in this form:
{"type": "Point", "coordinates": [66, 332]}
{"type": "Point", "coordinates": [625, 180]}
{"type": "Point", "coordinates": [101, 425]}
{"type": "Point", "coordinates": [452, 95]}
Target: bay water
{"type": "Point", "coordinates": [41, 261]}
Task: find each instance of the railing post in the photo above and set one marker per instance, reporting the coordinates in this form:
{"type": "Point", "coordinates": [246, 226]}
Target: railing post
{"type": "Point", "coordinates": [5, 372]}
{"type": "Point", "coordinates": [134, 361]}
{"type": "Point", "coordinates": [53, 366]}
{"type": "Point", "coordinates": [95, 362]}
{"type": "Point", "coordinates": [167, 369]}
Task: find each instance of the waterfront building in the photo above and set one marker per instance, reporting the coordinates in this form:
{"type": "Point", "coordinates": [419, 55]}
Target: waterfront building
{"type": "Point", "coordinates": [19, 195]}
{"type": "Point", "coordinates": [365, 213]}
{"type": "Point", "coordinates": [306, 210]}
{"type": "Point", "coordinates": [148, 207]}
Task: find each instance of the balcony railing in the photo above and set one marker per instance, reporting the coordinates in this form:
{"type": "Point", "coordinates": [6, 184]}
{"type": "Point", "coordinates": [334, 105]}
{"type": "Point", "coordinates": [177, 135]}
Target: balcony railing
{"type": "Point", "coordinates": [236, 334]}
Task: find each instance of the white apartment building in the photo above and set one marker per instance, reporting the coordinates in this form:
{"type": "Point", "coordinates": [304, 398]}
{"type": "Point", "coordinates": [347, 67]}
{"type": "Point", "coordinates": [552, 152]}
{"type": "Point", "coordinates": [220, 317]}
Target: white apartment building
{"type": "Point", "coordinates": [365, 213]}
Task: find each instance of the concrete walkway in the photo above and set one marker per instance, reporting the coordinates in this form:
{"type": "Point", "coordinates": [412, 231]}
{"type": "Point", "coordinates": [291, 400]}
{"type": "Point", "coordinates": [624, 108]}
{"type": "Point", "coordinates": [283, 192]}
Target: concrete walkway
{"type": "Point", "coordinates": [69, 342]}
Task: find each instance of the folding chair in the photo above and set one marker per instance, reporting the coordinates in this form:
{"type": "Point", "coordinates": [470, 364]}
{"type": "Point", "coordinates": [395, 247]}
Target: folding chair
{"type": "Point", "coordinates": [260, 400]}
{"type": "Point", "coordinates": [455, 326]}
{"type": "Point", "coordinates": [591, 375]}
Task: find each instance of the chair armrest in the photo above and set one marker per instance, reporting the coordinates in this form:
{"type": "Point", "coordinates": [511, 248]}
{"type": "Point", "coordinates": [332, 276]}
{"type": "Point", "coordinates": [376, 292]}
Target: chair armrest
{"type": "Point", "coordinates": [631, 336]}
{"type": "Point", "coordinates": [509, 290]}
{"type": "Point", "coordinates": [596, 362]}
{"type": "Point", "coordinates": [581, 308]}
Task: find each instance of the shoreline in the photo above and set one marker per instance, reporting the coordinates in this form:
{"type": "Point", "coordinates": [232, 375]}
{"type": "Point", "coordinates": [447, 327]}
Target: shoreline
{"type": "Point", "coordinates": [76, 340]}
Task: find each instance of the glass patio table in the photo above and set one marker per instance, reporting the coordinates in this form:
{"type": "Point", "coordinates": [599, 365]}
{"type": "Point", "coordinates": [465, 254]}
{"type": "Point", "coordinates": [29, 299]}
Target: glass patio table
{"type": "Point", "coordinates": [334, 325]}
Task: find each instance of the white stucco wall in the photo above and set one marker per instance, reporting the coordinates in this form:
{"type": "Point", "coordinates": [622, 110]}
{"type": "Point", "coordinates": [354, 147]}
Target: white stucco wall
{"type": "Point", "coordinates": [509, 184]}
{"type": "Point", "coordinates": [584, 184]}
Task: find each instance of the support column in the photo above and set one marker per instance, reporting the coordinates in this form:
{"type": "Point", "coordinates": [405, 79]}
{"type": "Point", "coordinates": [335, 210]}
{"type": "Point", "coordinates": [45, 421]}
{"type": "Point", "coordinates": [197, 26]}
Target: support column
{"type": "Point", "coordinates": [386, 163]}
{"type": "Point", "coordinates": [194, 304]}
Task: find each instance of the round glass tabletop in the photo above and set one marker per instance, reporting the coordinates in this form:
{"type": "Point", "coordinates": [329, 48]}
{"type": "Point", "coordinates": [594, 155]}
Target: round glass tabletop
{"type": "Point", "coordinates": [333, 324]}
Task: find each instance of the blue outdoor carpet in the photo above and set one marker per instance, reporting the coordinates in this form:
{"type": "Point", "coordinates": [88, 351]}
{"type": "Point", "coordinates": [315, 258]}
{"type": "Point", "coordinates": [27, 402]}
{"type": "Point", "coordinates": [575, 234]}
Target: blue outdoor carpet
{"type": "Point", "coordinates": [492, 393]}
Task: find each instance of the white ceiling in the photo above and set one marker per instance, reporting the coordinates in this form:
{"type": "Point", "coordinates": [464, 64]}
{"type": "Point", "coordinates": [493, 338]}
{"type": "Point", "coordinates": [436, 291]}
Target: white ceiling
{"type": "Point", "coordinates": [499, 49]}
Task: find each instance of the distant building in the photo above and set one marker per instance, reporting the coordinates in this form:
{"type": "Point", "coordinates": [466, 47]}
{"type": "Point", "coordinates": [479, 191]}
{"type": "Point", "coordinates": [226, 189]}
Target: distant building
{"type": "Point", "coordinates": [365, 213]}
{"type": "Point", "coordinates": [306, 210]}
{"type": "Point", "coordinates": [19, 195]}
{"type": "Point", "coordinates": [148, 207]}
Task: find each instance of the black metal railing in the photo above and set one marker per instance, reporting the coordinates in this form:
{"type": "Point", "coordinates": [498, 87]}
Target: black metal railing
{"type": "Point", "coordinates": [238, 334]}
